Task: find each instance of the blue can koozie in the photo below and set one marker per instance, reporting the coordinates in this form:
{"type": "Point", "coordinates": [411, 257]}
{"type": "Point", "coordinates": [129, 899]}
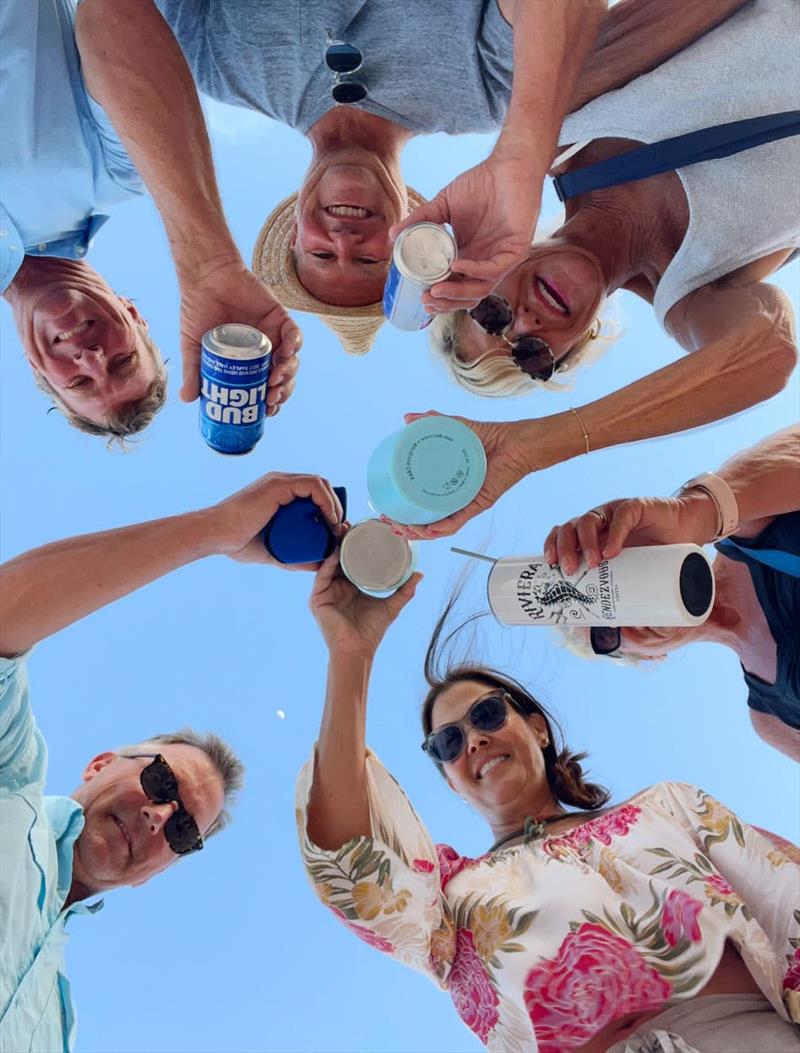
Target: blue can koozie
{"type": "Point", "coordinates": [300, 533]}
{"type": "Point", "coordinates": [235, 363]}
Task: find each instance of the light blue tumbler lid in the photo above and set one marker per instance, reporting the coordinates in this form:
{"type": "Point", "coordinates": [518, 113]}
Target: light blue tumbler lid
{"type": "Point", "coordinates": [426, 471]}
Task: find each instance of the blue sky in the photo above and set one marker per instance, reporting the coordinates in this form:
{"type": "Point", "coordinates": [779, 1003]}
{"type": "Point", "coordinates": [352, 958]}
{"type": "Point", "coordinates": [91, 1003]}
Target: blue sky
{"type": "Point", "coordinates": [230, 951]}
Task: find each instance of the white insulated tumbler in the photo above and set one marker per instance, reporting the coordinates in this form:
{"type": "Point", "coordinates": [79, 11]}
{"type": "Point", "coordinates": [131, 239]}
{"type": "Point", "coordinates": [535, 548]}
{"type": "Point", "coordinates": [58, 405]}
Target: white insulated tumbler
{"type": "Point", "coordinates": [656, 585]}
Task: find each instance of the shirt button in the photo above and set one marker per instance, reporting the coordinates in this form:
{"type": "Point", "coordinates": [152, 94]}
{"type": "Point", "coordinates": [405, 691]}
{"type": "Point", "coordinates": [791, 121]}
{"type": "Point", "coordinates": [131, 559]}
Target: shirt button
{"type": "Point", "coordinates": [80, 251]}
{"type": "Point", "coordinates": [3, 233]}
{"type": "Point", "coordinates": [42, 246]}
{"type": "Point", "coordinates": [14, 248]}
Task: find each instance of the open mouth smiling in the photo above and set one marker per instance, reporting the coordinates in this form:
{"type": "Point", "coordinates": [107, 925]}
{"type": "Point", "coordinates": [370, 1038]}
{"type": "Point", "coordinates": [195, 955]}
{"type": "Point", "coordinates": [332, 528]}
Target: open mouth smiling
{"type": "Point", "coordinates": [490, 765]}
{"type": "Point", "coordinates": [348, 211]}
{"type": "Point", "coordinates": [549, 296]}
{"type": "Point", "coordinates": [76, 330]}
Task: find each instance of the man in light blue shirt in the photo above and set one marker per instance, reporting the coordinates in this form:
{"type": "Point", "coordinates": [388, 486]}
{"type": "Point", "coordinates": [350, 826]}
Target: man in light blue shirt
{"type": "Point", "coordinates": [137, 808]}
{"type": "Point", "coordinates": [64, 170]}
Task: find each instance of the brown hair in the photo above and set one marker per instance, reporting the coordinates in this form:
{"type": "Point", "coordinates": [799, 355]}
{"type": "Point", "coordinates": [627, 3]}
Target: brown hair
{"type": "Point", "coordinates": [132, 418]}
{"type": "Point", "coordinates": [563, 768]}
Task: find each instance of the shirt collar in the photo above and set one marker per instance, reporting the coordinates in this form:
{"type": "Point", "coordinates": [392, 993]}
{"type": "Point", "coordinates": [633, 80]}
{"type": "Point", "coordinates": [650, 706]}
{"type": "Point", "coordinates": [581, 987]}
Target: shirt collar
{"type": "Point", "coordinates": [65, 817]}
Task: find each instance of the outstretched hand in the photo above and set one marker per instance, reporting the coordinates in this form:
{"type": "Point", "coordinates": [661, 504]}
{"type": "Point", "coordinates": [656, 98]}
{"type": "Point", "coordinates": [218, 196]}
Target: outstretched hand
{"type": "Point", "coordinates": [350, 621]}
{"type": "Point", "coordinates": [508, 460]}
{"type": "Point", "coordinates": [232, 293]}
{"type": "Point", "coordinates": [492, 209]}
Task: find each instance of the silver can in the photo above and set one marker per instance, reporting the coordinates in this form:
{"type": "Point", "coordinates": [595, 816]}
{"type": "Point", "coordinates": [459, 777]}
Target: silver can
{"type": "Point", "coordinates": [375, 559]}
{"type": "Point", "coordinates": [422, 256]}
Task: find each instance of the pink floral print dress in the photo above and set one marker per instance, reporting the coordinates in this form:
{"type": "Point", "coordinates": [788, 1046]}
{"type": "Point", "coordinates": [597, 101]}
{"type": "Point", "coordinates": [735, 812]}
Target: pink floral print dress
{"type": "Point", "coordinates": [540, 946]}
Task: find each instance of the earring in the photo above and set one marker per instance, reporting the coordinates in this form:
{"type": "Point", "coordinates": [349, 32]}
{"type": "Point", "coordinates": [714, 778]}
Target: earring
{"type": "Point", "coordinates": [596, 329]}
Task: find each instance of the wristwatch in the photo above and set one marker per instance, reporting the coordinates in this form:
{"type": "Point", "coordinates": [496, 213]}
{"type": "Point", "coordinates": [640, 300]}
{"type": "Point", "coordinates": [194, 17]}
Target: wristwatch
{"type": "Point", "coordinates": [724, 500]}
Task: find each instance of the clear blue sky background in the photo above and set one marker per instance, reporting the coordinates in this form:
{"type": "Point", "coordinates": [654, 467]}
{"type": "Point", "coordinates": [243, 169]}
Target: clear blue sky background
{"type": "Point", "coordinates": [230, 951]}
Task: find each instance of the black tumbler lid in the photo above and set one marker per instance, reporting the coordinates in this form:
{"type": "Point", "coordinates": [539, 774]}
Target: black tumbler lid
{"type": "Point", "coordinates": [696, 584]}
{"type": "Point", "coordinates": [300, 533]}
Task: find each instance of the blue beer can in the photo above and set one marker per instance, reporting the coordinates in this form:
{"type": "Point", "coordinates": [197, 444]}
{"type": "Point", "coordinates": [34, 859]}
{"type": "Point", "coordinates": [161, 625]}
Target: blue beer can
{"type": "Point", "coordinates": [235, 363]}
{"type": "Point", "coordinates": [421, 257]}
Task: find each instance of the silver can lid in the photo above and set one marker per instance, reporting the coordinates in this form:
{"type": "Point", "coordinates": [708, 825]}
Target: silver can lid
{"type": "Point", "coordinates": [373, 557]}
{"type": "Point", "coordinates": [425, 252]}
{"type": "Point", "coordinates": [235, 340]}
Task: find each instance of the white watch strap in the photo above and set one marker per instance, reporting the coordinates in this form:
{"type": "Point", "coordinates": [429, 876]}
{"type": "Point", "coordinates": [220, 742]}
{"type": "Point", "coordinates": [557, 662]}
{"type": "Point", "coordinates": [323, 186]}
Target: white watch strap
{"type": "Point", "coordinates": [724, 499]}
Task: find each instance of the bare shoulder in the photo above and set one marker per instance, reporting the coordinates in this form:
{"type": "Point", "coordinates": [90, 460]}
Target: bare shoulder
{"type": "Point", "coordinates": [728, 307]}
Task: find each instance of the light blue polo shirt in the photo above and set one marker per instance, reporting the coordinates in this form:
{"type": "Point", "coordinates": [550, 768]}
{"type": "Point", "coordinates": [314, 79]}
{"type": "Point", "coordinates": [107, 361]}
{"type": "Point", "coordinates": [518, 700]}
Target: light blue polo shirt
{"type": "Point", "coordinates": [37, 836]}
{"type": "Point", "coordinates": [63, 165]}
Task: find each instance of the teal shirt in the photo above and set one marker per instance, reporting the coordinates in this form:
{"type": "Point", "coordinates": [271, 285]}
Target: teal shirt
{"type": "Point", "coordinates": [37, 836]}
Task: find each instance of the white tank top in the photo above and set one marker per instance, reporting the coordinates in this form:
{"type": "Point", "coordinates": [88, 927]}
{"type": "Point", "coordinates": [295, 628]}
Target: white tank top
{"type": "Point", "coordinates": [741, 208]}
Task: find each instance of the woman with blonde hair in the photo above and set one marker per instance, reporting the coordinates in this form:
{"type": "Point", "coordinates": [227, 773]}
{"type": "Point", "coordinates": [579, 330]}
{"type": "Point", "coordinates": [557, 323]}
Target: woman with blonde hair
{"type": "Point", "coordinates": [697, 243]}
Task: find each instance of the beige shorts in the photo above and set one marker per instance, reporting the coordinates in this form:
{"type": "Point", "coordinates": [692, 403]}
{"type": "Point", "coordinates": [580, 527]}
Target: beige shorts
{"type": "Point", "coordinates": [715, 1024]}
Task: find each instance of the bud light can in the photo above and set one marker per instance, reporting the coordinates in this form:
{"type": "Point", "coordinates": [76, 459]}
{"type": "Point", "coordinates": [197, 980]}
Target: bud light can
{"type": "Point", "coordinates": [422, 255]}
{"type": "Point", "coordinates": [235, 363]}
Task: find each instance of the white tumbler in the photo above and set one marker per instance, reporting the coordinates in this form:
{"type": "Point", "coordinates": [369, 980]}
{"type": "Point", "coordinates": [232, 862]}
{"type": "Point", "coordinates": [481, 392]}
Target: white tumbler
{"type": "Point", "coordinates": [652, 585]}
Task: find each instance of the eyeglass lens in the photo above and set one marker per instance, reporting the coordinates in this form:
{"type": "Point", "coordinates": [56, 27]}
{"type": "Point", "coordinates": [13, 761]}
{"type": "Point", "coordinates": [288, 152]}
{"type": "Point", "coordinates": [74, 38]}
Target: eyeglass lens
{"type": "Point", "coordinates": [343, 58]}
{"type": "Point", "coordinates": [347, 92]}
{"type": "Point", "coordinates": [487, 714]}
{"type": "Point", "coordinates": [534, 357]}
{"type": "Point", "coordinates": [493, 314]}
{"type": "Point", "coordinates": [605, 639]}
{"type": "Point", "coordinates": [181, 830]}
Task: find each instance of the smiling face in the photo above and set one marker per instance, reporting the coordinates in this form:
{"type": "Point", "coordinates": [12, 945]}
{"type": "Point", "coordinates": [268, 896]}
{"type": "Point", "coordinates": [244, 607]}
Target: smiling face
{"type": "Point", "coordinates": [122, 842]}
{"type": "Point", "coordinates": [499, 772]}
{"type": "Point", "coordinates": [556, 294]}
{"type": "Point", "coordinates": [345, 208]}
{"type": "Point", "coordinates": [88, 343]}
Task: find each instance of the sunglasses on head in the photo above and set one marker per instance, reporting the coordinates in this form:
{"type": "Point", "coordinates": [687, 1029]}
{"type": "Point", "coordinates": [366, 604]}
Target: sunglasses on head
{"type": "Point", "coordinates": [161, 787]}
{"type": "Point", "coordinates": [535, 357]}
{"type": "Point", "coordinates": [605, 639]}
{"type": "Point", "coordinates": [489, 713]}
{"type": "Point", "coordinates": [343, 59]}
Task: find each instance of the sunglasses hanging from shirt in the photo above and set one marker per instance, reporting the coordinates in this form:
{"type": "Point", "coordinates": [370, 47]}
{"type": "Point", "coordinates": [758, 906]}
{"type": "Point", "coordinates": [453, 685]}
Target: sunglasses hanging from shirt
{"type": "Point", "coordinates": [706, 144]}
{"type": "Point", "coordinates": [343, 59]}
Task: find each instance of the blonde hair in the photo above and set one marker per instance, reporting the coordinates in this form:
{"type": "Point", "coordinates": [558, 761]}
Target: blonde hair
{"type": "Point", "coordinates": [132, 418]}
{"type": "Point", "coordinates": [575, 638]}
{"type": "Point", "coordinates": [498, 376]}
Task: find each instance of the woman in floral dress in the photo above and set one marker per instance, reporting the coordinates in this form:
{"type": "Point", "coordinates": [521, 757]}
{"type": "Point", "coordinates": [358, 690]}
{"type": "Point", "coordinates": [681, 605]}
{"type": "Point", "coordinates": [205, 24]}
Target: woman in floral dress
{"type": "Point", "coordinates": [662, 924]}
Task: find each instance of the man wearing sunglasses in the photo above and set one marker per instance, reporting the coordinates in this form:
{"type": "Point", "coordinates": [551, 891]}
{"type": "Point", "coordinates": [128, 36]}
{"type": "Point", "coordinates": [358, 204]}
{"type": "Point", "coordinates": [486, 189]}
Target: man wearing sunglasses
{"type": "Point", "coordinates": [360, 79]}
{"type": "Point", "coordinates": [138, 808]}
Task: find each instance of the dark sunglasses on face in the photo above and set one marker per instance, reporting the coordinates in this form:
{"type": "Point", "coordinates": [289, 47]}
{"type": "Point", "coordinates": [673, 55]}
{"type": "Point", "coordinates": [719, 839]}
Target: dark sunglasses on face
{"type": "Point", "coordinates": [161, 787]}
{"type": "Point", "coordinates": [489, 713]}
{"type": "Point", "coordinates": [605, 639]}
{"type": "Point", "coordinates": [535, 357]}
{"type": "Point", "coordinates": [343, 59]}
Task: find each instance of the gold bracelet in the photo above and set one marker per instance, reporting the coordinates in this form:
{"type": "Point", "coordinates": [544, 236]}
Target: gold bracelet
{"type": "Point", "coordinates": [583, 429]}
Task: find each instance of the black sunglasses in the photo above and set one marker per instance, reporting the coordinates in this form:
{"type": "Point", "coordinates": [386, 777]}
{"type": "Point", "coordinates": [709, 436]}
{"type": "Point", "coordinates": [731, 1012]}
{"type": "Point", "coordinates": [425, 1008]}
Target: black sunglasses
{"type": "Point", "coordinates": [161, 787]}
{"type": "Point", "coordinates": [535, 357]}
{"type": "Point", "coordinates": [489, 713]}
{"type": "Point", "coordinates": [343, 59]}
{"type": "Point", "coordinates": [605, 639]}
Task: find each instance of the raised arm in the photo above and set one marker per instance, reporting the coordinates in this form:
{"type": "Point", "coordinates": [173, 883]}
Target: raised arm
{"type": "Point", "coordinates": [638, 35]}
{"type": "Point", "coordinates": [494, 206]}
{"type": "Point", "coordinates": [745, 353]}
{"type": "Point", "coordinates": [48, 588]}
{"type": "Point", "coordinates": [133, 66]}
{"type": "Point", "coordinates": [353, 626]}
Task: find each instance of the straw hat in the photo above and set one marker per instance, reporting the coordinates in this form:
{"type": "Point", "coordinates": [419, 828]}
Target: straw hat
{"type": "Point", "coordinates": [273, 263]}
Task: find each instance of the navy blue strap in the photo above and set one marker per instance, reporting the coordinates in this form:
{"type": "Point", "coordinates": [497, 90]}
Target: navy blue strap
{"type": "Point", "coordinates": [721, 140]}
{"type": "Point", "coordinates": [776, 558]}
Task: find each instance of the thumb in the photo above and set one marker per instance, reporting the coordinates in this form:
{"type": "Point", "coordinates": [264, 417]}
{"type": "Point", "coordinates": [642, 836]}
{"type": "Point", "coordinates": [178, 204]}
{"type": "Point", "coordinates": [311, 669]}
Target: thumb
{"type": "Point", "coordinates": [626, 516]}
{"type": "Point", "coordinates": [409, 418]}
{"type": "Point", "coordinates": [435, 211]}
{"type": "Point", "coordinates": [190, 387]}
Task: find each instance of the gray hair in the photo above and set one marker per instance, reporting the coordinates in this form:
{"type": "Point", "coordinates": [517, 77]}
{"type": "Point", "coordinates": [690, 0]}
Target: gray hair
{"type": "Point", "coordinates": [227, 765]}
{"type": "Point", "coordinates": [498, 376]}
{"type": "Point", "coordinates": [132, 418]}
